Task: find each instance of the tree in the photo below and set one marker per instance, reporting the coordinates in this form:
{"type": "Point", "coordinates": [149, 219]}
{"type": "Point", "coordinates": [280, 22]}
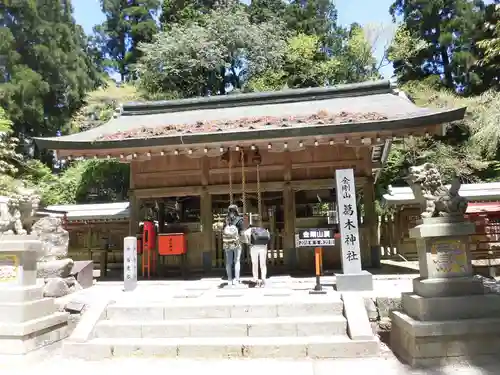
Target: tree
{"type": "Point", "coordinates": [313, 17]}
{"type": "Point", "coordinates": [357, 58]}
{"type": "Point", "coordinates": [9, 158]}
{"type": "Point", "coordinates": [449, 28]}
{"type": "Point", "coordinates": [403, 51]}
{"type": "Point", "coordinates": [267, 10]}
{"type": "Point", "coordinates": [489, 47]}
{"type": "Point", "coordinates": [379, 36]}
{"type": "Point", "coordinates": [101, 103]}
{"type": "Point", "coordinates": [305, 64]}
{"type": "Point", "coordinates": [469, 148]}
{"type": "Point", "coordinates": [84, 181]}
{"type": "Point", "coordinates": [128, 23]}
{"type": "Point", "coordinates": [206, 57]}
{"type": "Point", "coordinates": [183, 12]}
{"type": "Point", "coordinates": [45, 70]}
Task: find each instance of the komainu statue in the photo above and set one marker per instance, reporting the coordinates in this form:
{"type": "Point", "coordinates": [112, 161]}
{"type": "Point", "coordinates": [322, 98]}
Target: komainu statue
{"type": "Point", "coordinates": [435, 198]}
{"type": "Point", "coordinates": [18, 213]}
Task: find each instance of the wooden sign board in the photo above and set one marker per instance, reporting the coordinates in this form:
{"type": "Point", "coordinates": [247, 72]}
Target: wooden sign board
{"type": "Point", "coordinates": [316, 237]}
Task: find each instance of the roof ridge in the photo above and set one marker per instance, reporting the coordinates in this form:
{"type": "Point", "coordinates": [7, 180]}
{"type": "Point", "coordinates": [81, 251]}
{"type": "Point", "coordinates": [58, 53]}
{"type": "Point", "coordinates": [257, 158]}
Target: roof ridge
{"type": "Point", "coordinates": [261, 98]}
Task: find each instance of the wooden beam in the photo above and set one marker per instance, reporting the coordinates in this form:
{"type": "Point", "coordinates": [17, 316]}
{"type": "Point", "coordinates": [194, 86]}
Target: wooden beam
{"type": "Point", "coordinates": [173, 191]}
{"type": "Point", "coordinates": [263, 168]}
{"type": "Point", "coordinates": [319, 184]}
{"type": "Point", "coordinates": [182, 191]}
{"type": "Point", "coordinates": [249, 188]}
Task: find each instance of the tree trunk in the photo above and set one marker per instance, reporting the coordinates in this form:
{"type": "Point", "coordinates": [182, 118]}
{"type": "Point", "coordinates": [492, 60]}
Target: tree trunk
{"type": "Point", "coordinates": [222, 89]}
{"type": "Point", "coordinates": [446, 68]}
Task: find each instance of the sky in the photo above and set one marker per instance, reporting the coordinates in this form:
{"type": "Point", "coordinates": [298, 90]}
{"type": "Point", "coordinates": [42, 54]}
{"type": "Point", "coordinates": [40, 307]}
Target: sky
{"type": "Point", "coordinates": [365, 12]}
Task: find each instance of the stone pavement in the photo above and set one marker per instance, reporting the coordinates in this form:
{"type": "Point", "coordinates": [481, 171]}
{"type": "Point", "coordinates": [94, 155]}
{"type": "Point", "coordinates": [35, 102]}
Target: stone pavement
{"type": "Point", "coordinates": [384, 285]}
{"type": "Point", "coordinates": [48, 361]}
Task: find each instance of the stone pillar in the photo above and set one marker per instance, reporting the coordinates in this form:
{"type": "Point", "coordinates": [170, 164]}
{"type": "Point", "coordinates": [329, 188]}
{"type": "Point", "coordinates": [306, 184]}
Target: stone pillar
{"type": "Point", "coordinates": [448, 313]}
{"type": "Point", "coordinates": [352, 278]}
{"type": "Point", "coordinates": [28, 321]}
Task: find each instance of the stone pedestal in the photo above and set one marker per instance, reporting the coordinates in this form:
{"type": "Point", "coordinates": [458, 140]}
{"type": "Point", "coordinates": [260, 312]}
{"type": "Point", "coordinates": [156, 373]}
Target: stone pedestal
{"type": "Point", "coordinates": [27, 320]}
{"type": "Point", "coordinates": [354, 282]}
{"type": "Point", "coordinates": [448, 314]}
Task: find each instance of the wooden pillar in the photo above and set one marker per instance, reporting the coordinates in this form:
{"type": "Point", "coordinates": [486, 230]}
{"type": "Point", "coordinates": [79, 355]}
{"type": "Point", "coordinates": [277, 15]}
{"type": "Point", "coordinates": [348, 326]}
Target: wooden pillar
{"type": "Point", "coordinates": [208, 252]}
{"type": "Point", "coordinates": [161, 217]}
{"type": "Point", "coordinates": [206, 217]}
{"type": "Point", "coordinates": [371, 256]}
{"type": "Point", "coordinates": [133, 224]}
{"type": "Point", "coordinates": [289, 252]}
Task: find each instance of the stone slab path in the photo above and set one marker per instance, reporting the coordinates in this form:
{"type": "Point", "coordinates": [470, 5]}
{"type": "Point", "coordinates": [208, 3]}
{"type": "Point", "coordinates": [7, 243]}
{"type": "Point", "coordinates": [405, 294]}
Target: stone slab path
{"type": "Point", "coordinates": [49, 362]}
{"type": "Point", "coordinates": [384, 285]}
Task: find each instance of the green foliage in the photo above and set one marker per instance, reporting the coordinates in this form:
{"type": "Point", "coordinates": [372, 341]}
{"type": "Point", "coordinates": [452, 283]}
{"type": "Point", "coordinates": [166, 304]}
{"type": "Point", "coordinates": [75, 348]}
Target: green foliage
{"type": "Point", "coordinates": [182, 12]}
{"type": "Point", "coordinates": [100, 105]}
{"type": "Point", "coordinates": [305, 65]}
{"type": "Point", "coordinates": [491, 41]}
{"type": "Point", "coordinates": [87, 181]}
{"type": "Point", "coordinates": [9, 158]}
{"type": "Point", "coordinates": [469, 149]}
{"type": "Point", "coordinates": [128, 23]}
{"type": "Point", "coordinates": [451, 30]}
{"type": "Point", "coordinates": [206, 56]}
{"type": "Point", "coordinates": [45, 69]}
{"type": "Point", "coordinates": [5, 122]}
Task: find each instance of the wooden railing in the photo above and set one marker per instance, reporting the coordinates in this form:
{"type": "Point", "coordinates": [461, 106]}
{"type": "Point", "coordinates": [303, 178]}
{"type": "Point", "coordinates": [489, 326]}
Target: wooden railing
{"type": "Point", "coordinates": [396, 245]}
{"type": "Point", "coordinates": [274, 254]}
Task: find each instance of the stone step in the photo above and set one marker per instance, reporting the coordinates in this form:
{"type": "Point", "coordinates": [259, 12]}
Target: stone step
{"type": "Point", "coordinates": [230, 308]}
{"type": "Point", "coordinates": [249, 327]}
{"type": "Point", "coordinates": [217, 347]}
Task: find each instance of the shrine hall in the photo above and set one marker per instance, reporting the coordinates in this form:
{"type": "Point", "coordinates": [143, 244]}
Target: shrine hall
{"type": "Point", "coordinates": [274, 154]}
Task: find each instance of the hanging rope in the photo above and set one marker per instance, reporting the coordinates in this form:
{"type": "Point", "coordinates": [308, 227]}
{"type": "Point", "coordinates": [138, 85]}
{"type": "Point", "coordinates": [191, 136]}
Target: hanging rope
{"type": "Point", "coordinates": [230, 178]}
{"type": "Point", "coordinates": [243, 182]}
{"type": "Point", "coordinates": [259, 196]}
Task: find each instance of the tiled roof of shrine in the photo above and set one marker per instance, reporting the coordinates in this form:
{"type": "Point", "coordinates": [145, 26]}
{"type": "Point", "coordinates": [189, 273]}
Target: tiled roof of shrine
{"type": "Point", "coordinates": [343, 109]}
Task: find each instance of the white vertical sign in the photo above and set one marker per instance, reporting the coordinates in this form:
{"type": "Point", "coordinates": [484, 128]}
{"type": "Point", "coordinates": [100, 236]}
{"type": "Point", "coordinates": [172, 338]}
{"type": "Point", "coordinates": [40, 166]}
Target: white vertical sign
{"type": "Point", "coordinates": [129, 263]}
{"type": "Point", "coordinates": [348, 221]}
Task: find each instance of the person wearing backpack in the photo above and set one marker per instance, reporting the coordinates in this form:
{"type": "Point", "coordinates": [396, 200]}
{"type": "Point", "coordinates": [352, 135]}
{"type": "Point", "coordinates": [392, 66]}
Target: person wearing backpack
{"type": "Point", "coordinates": [231, 243]}
{"type": "Point", "coordinates": [258, 238]}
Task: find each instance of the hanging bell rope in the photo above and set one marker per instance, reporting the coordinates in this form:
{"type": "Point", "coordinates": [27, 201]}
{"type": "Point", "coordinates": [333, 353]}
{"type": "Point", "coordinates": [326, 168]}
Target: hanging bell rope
{"type": "Point", "coordinates": [243, 182]}
{"type": "Point", "coordinates": [259, 196]}
{"type": "Point", "coordinates": [231, 200]}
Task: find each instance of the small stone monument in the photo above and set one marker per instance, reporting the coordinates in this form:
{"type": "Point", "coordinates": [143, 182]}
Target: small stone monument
{"type": "Point", "coordinates": [28, 321]}
{"type": "Point", "coordinates": [448, 314]}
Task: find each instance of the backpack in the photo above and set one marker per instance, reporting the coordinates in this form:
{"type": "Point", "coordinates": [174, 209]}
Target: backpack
{"type": "Point", "coordinates": [259, 236]}
{"type": "Point", "coordinates": [230, 235]}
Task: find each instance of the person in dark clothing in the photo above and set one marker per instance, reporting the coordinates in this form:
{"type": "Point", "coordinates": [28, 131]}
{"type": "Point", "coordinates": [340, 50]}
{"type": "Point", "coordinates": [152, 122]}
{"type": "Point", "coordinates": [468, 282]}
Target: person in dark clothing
{"type": "Point", "coordinates": [231, 242]}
